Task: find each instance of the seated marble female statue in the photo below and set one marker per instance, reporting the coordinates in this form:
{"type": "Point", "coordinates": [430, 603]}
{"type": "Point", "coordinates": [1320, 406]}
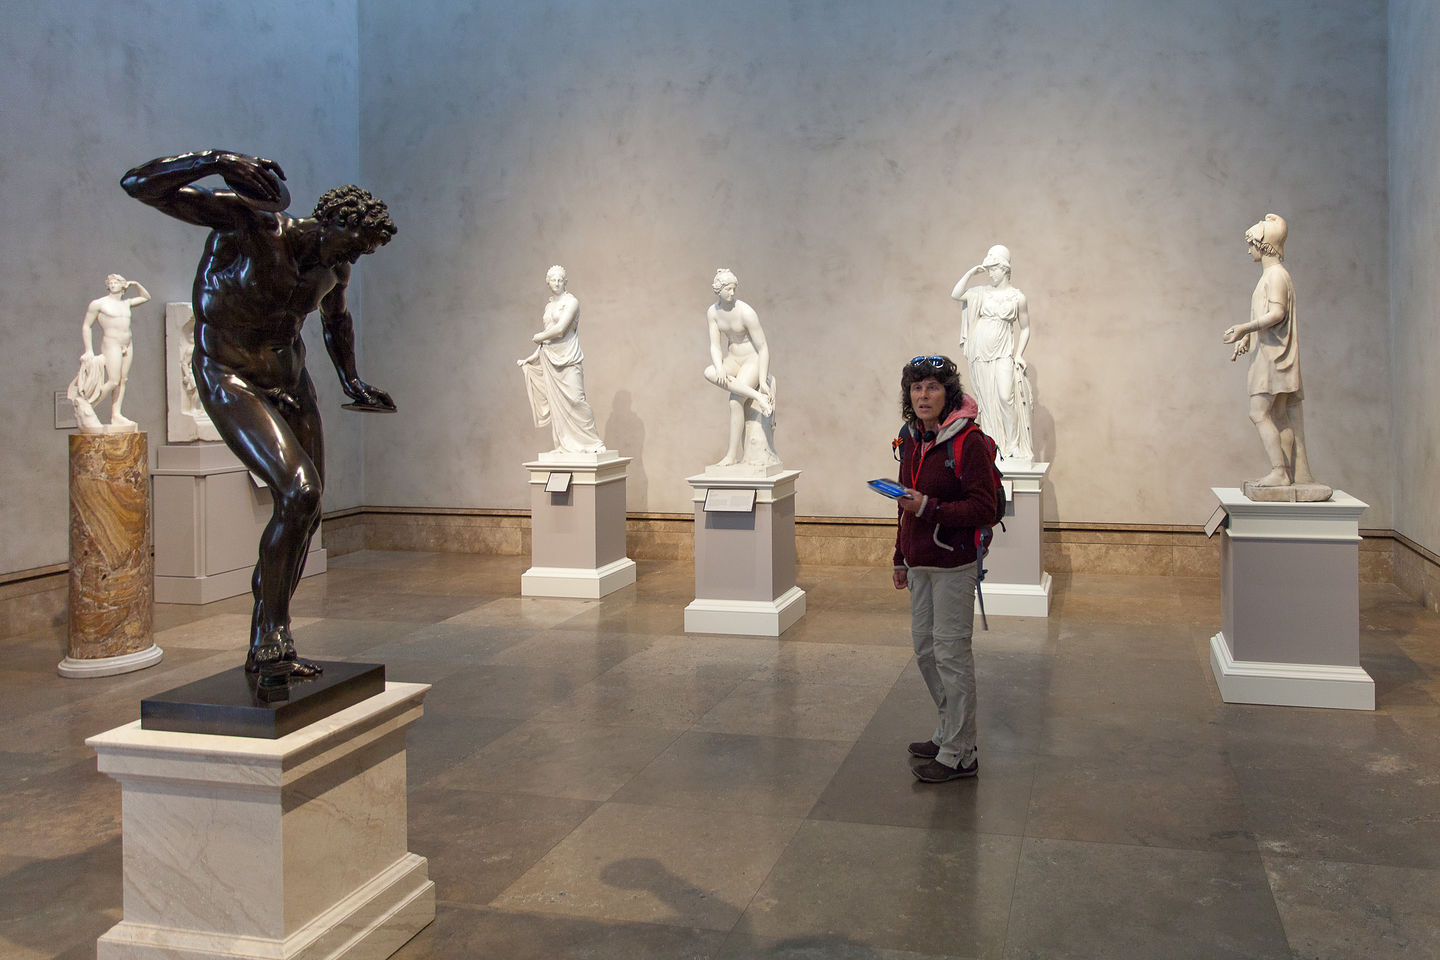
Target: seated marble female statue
{"type": "Point", "coordinates": [994, 331]}
{"type": "Point", "coordinates": [740, 364]}
{"type": "Point", "coordinates": [553, 376]}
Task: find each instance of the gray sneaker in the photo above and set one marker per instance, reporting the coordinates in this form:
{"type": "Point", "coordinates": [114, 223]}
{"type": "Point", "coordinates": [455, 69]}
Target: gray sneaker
{"type": "Point", "coordinates": [925, 749]}
{"type": "Point", "coordinates": [937, 772]}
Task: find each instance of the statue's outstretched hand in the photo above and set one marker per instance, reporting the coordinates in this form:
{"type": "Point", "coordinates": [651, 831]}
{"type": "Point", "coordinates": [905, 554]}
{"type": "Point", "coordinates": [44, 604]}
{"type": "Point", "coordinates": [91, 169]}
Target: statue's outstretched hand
{"type": "Point", "coordinates": [366, 397]}
{"type": "Point", "coordinates": [252, 177]}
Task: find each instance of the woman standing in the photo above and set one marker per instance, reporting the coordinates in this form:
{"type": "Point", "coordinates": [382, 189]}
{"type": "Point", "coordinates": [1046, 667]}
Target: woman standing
{"type": "Point", "coordinates": [949, 492]}
{"type": "Point", "coordinates": [553, 377]}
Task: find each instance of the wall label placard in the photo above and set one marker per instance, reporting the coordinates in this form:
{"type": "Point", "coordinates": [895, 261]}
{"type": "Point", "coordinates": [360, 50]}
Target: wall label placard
{"type": "Point", "coordinates": [557, 482]}
{"type": "Point", "coordinates": [720, 500]}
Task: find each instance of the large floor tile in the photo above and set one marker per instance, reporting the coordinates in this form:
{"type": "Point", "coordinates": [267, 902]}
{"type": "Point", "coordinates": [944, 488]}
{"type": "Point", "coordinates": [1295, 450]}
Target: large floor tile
{"type": "Point", "coordinates": [1336, 911]}
{"type": "Point", "coordinates": [1107, 901]}
{"type": "Point", "coordinates": [629, 862]}
{"type": "Point", "coordinates": [781, 708]}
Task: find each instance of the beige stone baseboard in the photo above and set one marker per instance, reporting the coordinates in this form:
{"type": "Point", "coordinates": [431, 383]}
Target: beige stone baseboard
{"type": "Point", "coordinates": [35, 599]}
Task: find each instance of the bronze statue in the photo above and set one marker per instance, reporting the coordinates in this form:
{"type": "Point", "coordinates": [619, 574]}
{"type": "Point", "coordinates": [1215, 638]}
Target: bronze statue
{"type": "Point", "coordinates": [261, 273]}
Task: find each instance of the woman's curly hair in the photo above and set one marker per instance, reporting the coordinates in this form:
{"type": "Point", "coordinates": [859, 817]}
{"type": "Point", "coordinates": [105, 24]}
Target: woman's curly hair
{"type": "Point", "coordinates": [923, 368]}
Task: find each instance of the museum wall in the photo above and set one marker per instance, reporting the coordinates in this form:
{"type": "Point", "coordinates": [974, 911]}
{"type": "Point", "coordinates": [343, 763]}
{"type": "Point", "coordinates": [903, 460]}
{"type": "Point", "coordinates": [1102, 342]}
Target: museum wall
{"type": "Point", "coordinates": [92, 89]}
{"type": "Point", "coordinates": [850, 161]}
{"type": "Point", "coordinates": [1415, 265]}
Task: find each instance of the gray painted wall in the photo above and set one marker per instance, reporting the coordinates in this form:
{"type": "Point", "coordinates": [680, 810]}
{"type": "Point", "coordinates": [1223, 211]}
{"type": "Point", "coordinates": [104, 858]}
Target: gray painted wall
{"type": "Point", "coordinates": [849, 161]}
{"type": "Point", "coordinates": [91, 89]}
{"type": "Point", "coordinates": [1414, 259]}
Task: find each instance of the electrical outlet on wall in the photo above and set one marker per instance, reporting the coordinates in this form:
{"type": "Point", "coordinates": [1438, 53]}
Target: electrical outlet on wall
{"type": "Point", "coordinates": [64, 412]}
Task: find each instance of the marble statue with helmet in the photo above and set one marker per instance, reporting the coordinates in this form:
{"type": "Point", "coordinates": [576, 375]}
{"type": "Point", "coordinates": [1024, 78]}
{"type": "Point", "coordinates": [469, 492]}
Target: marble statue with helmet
{"type": "Point", "coordinates": [1272, 337]}
{"type": "Point", "coordinates": [994, 332]}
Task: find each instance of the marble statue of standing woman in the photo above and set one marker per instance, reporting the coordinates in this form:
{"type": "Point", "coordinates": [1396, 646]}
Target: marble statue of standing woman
{"type": "Point", "coordinates": [105, 373]}
{"type": "Point", "coordinates": [740, 364]}
{"type": "Point", "coordinates": [994, 331]}
{"type": "Point", "coordinates": [553, 377]}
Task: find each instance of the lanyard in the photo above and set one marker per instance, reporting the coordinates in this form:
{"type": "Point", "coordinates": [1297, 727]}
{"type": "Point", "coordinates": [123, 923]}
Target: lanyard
{"type": "Point", "coordinates": [919, 463]}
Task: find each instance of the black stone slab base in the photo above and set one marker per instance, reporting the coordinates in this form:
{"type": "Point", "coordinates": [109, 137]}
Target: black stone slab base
{"type": "Point", "coordinates": [227, 703]}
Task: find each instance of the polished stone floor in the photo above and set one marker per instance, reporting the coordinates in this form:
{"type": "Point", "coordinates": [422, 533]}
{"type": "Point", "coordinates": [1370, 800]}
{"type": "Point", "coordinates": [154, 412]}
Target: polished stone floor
{"type": "Point", "coordinates": [590, 782]}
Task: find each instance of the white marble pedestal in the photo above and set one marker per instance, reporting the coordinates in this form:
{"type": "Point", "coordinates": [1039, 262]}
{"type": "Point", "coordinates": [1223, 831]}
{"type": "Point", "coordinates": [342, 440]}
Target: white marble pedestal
{"type": "Point", "coordinates": [1015, 583]}
{"type": "Point", "coordinates": [745, 559]}
{"type": "Point", "coordinates": [209, 515]}
{"type": "Point", "coordinates": [577, 537]}
{"type": "Point", "coordinates": [292, 849]}
{"type": "Point", "coordinates": [1290, 604]}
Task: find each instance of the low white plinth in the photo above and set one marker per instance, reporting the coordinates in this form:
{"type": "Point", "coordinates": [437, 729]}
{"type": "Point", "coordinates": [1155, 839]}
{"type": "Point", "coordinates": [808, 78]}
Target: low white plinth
{"type": "Point", "coordinates": [751, 618]}
{"type": "Point", "coordinates": [745, 555]}
{"type": "Point", "coordinates": [1016, 599]}
{"type": "Point", "coordinates": [577, 582]}
{"type": "Point", "coordinates": [577, 535]}
{"type": "Point", "coordinates": [1289, 684]}
{"type": "Point", "coordinates": [1015, 584]}
{"type": "Point", "coordinates": [74, 669]}
{"type": "Point", "coordinates": [209, 515]}
{"type": "Point", "coordinates": [292, 849]}
{"type": "Point", "coordinates": [1290, 604]}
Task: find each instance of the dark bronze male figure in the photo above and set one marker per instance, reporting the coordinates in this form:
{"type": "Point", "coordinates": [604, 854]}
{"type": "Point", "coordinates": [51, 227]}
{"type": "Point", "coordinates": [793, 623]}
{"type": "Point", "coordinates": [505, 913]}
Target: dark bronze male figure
{"type": "Point", "coordinates": [261, 273]}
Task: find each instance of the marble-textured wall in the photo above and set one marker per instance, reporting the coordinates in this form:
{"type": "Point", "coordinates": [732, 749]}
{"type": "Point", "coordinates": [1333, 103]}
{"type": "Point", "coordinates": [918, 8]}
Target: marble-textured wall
{"type": "Point", "coordinates": [849, 161]}
{"type": "Point", "coordinates": [92, 89]}
{"type": "Point", "coordinates": [1415, 266]}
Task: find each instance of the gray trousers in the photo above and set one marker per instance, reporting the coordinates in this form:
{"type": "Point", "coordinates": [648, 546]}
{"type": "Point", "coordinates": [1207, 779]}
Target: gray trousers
{"type": "Point", "coordinates": [942, 613]}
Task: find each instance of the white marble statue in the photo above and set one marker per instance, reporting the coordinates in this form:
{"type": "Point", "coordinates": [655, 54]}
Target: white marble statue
{"type": "Point", "coordinates": [1272, 336]}
{"type": "Point", "coordinates": [105, 373]}
{"type": "Point", "coordinates": [186, 419]}
{"type": "Point", "coordinates": [740, 365]}
{"type": "Point", "coordinates": [994, 331]}
{"type": "Point", "coordinates": [553, 377]}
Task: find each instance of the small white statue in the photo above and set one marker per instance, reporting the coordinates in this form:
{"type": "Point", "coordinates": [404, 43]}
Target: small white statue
{"type": "Point", "coordinates": [553, 377]}
{"type": "Point", "coordinates": [104, 374]}
{"type": "Point", "coordinates": [740, 364]}
{"type": "Point", "coordinates": [994, 331]}
{"type": "Point", "coordinates": [186, 419]}
{"type": "Point", "coordinates": [1273, 335]}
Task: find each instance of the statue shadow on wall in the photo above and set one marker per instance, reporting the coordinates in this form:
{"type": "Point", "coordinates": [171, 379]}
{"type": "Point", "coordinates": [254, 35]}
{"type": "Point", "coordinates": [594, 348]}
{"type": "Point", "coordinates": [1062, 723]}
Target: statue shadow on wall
{"type": "Point", "coordinates": [625, 433]}
{"type": "Point", "coordinates": [1042, 438]}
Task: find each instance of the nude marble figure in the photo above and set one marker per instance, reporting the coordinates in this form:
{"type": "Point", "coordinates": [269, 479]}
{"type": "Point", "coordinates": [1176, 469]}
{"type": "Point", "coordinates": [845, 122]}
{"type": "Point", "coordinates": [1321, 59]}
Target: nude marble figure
{"type": "Point", "coordinates": [104, 374]}
{"type": "Point", "coordinates": [740, 364]}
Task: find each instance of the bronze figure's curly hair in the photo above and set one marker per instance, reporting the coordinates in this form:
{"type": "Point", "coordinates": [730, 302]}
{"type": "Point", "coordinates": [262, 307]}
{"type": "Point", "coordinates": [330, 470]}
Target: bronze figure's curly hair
{"type": "Point", "coordinates": [352, 206]}
{"type": "Point", "coordinates": [922, 368]}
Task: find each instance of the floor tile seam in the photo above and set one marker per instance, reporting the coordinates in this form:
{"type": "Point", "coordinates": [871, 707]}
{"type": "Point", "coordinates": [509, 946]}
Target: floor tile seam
{"type": "Point", "coordinates": [1347, 861]}
{"type": "Point", "coordinates": [1167, 848]}
{"type": "Point", "coordinates": [744, 910]}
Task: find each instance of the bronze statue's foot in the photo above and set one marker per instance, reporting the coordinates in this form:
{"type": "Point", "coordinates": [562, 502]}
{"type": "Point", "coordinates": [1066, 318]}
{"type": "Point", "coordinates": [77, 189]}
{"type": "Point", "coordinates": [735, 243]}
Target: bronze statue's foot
{"type": "Point", "coordinates": [275, 656]}
{"type": "Point", "coordinates": [1275, 478]}
{"type": "Point", "coordinates": [298, 667]}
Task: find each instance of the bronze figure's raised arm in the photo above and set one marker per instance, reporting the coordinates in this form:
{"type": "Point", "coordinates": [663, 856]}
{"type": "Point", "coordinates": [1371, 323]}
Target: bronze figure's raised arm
{"type": "Point", "coordinates": [261, 273]}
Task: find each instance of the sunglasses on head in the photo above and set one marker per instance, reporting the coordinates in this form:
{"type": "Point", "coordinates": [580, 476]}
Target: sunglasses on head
{"type": "Point", "coordinates": [931, 363]}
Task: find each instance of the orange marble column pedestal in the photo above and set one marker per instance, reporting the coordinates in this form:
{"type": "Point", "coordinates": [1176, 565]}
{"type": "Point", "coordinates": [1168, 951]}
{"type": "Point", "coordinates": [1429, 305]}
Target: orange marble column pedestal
{"type": "Point", "coordinates": [112, 606]}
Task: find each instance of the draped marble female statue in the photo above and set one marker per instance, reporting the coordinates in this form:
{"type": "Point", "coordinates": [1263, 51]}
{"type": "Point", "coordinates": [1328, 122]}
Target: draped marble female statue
{"type": "Point", "coordinates": [1272, 336]}
{"type": "Point", "coordinates": [994, 331]}
{"type": "Point", "coordinates": [740, 364]}
{"type": "Point", "coordinates": [105, 373]}
{"type": "Point", "coordinates": [553, 377]}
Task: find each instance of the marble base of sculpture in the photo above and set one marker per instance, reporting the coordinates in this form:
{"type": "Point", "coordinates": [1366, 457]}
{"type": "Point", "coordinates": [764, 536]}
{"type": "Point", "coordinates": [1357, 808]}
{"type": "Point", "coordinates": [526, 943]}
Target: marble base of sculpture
{"type": "Point", "coordinates": [1290, 604]}
{"type": "Point", "coordinates": [1290, 493]}
{"type": "Point", "coordinates": [577, 537]}
{"type": "Point", "coordinates": [745, 559]}
{"type": "Point", "coordinates": [292, 849]}
{"type": "Point", "coordinates": [209, 514]}
{"type": "Point", "coordinates": [1015, 583]}
{"type": "Point", "coordinates": [110, 609]}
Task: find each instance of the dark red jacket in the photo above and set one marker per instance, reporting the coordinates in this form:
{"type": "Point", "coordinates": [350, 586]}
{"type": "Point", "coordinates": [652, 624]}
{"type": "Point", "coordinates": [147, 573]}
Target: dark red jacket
{"type": "Point", "coordinates": [942, 534]}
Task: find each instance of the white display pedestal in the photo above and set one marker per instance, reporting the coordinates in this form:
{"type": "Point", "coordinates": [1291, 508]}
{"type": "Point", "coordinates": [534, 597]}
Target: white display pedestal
{"type": "Point", "coordinates": [209, 515]}
{"type": "Point", "coordinates": [1015, 584]}
{"type": "Point", "coordinates": [577, 535]}
{"type": "Point", "coordinates": [745, 556]}
{"type": "Point", "coordinates": [293, 849]}
{"type": "Point", "coordinates": [1290, 599]}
